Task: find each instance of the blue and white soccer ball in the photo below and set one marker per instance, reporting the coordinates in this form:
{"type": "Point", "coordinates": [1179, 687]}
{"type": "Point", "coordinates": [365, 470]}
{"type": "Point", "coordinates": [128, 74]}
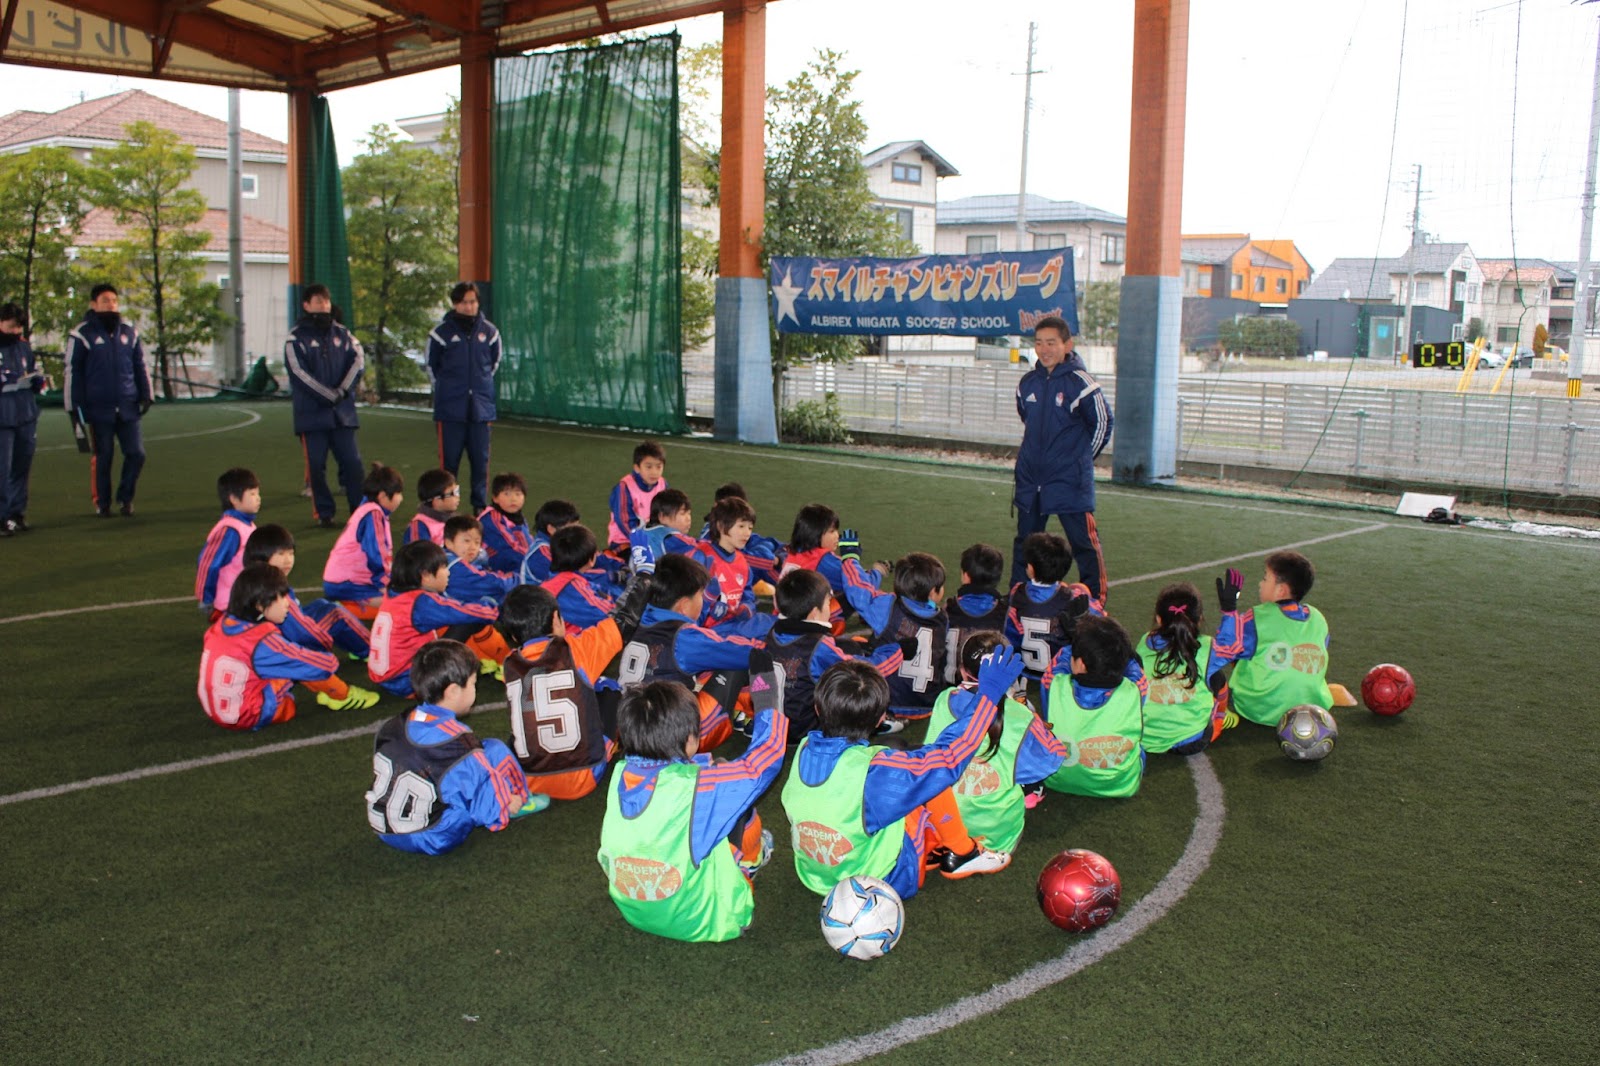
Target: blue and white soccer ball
{"type": "Point", "coordinates": [1307, 732]}
{"type": "Point", "coordinates": [862, 918]}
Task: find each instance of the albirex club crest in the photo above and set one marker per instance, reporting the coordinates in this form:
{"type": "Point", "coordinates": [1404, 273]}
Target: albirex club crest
{"type": "Point", "coordinates": [988, 295]}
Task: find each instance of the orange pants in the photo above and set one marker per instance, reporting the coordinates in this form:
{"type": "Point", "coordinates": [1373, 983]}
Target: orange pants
{"type": "Point", "coordinates": [571, 784]}
{"type": "Point", "coordinates": [938, 824]}
{"type": "Point", "coordinates": [366, 610]}
{"type": "Point", "coordinates": [487, 643]}
{"type": "Point", "coordinates": [714, 724]}
{"type": "Point", "coordinates": [335, 686]}
{"type": "Point", "coordinates": [749, 847]}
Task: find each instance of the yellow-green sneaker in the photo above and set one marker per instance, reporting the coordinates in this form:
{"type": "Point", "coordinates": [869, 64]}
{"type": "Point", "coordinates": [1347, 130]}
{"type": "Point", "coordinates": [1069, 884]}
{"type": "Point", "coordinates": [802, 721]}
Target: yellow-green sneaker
{"type": "Point", "coordinates": [358, 699]}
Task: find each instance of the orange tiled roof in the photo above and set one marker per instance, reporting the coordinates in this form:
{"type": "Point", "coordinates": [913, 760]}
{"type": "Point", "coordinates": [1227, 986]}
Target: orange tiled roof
{"type": "Point", "coordinates": [1497, 270]}
{"type": "Point", "coordinates": [105, 119]}
{"type": "Point", "coordinates": [260, 237]}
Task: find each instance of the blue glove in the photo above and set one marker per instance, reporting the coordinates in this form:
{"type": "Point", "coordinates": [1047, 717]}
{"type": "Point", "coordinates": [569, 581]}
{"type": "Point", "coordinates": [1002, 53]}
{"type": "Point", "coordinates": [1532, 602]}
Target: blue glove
{"type": "Point", "coordinates": [714, 611]}
{"type": "Point", "coordinates": [850, 544]}
{"type": "Point", "coordinates": [998, 672]}
{"type": "Point", "coordinates": [641, 552]}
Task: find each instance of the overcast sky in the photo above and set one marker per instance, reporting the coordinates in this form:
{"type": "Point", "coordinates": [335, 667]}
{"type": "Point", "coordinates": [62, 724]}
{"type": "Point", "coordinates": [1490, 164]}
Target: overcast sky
{"type": "Point", "coordinates": [1291, 108]}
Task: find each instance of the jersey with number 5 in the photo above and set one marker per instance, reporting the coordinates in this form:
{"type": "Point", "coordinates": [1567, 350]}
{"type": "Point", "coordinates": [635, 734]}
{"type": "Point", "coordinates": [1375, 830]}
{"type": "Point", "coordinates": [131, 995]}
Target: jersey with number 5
{"type": "Point", "coordinates": [915, 687]}
{"type": "Point", "coordinates": [1031, 622]}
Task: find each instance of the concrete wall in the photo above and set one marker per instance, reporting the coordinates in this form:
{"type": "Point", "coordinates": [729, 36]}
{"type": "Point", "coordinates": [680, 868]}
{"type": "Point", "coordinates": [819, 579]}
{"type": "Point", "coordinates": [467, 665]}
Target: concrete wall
{"type": "Point", "coordinates": [271, 202]}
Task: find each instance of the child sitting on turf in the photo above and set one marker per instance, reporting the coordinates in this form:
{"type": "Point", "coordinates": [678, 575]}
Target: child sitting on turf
{"type": "Point", "coordinates": [357, 571]}
{"type": "Point", "coordinates": [1280, 646]}
{"type": "Point", "coordinates": [506, 536]}
{"type": "Point", "coordinates": [607, 575]}
{"type": "Point", "coordinates": [1096, 707]}
{"type": "Point", "coordinates": [1035, 606]}
{"type": "Point", "coordinates": [572, 555]}
{"type": "Point", "coordinates": [812, 544]}
{"type": "Point", "coordinates": [803, 646]}
{"type": "Point", "coordinates": [417, 611]}
{"type": "Point", "coordinates": [222, 556]}
{"type": "Point", "coordinates": [438, 496]}
{"type": "Point", "coordinates": [911, 618]}
{"type": "Point", "coordinates": [681, 839]}
{"type": "Point", "coordinates": [321, 626]}
{"type": "Point", "coordinates": [630, 500]}
{"type": "Point", "coordinates": [977, 604]}
{"type": "Point", "coordinates": [433, 779]}
{"type": "Point", "coordinates": [1184, 710]}
{"type": "Point", "coordinates": [248, 667]}
{"type": "Point", "coordinates": [670, 646]}
{"type": "Point", "coordinates": [667, 532]}
{"type": "Point", "coordinates": [1020, 751]}
{"type": "Point", "coordinates": [859, 810]}
{"type": "Point", "coordinates": [563, 709]}
{"type": "Point", "coordinates": [723, 551]}
{"type": "Point", "coordinates": [758, 546]}
{"type": "Point", "coordinates": [470, 583]}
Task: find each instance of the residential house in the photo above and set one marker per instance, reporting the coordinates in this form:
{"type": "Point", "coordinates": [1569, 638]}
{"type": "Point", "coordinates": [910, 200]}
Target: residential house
{"type": "Point", "coordinates": [1445, 290]}
{"type": "Point", "coordinates": [1270, 273]}
{"type": "Point", "coordinates": [904, 179]}
{"type": "Point", "coordinates": [1098, 238]}
{"type": "Point", "coordinates": [1516, 297]}
{"type": "Point", "coordinates": [263, 182]}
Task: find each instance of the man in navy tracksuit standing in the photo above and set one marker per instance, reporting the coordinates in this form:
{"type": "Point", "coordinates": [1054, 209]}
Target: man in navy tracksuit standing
{"type": "Point", "coordinates": [108, 386]}
{"type": "Point", "coordinates": [463, 355]}
{"type": "Point", "coordinates": [325, 362]}
{"type": "Point", "coordinates": [1066, 423]}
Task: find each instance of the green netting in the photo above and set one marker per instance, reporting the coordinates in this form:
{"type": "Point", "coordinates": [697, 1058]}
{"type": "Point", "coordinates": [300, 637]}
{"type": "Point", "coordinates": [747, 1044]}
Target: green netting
{"type": "Point", "coordinates": [327, 254]}
{"type": "Point", "coordinates": [586, 239]}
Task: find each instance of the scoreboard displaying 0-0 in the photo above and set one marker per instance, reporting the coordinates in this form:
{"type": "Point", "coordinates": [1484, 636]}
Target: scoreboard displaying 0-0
{"type": "Point", "coordinates": [1451, 355]}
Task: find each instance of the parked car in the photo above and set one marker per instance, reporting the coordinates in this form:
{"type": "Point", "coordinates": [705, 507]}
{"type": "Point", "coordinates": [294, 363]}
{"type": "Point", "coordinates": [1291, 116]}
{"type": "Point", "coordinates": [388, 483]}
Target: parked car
{"type": "Point", "coordinates": [1491, 359]}
{"type": "Point", "coordinates": [1522, 358]}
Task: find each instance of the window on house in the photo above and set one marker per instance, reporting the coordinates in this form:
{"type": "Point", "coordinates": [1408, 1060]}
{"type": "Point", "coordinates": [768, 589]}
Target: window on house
{"type": "Point", "coordinates": [909, 173]}
{"type": "Point", "coordinates": [1205, 280]}
{"type": "Point", "coordinates": [1049, 240]}
{"type": "Point", "coordinates": [222, 282]}
{"type": "Point", "coordinates": [249, 187]}
{"type": "Point", "coordinates": [1238, 282]}
{"type": "Point", "coordinates": [1506, 335]}
{"type": "Point", "coordinates": [1473, 292]}
{"type": "Point", "coordinates": [984, 242]}
{"type": "Point", "coordinates": [1300, 287]}
{"type": "Point", "coordinates": [1261, 284]}
{"type": "Point", "coordinates": [903, 220]}
{"type": "Point", "coordinates": [1283, 285]}
{"type": "Point", "coordinates": [1516, 294]}
{"type": "Point", "coordinates": [1424, 290]}
{"type": "Point", "coordinates": [1111, 248]}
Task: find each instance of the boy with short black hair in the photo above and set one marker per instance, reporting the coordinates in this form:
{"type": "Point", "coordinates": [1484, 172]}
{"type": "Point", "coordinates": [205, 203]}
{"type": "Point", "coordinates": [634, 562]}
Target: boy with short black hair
{"type": "Point", "coordinates": [248, 668]}
{"type": "Point", "coordinates": [977, 605]}
{"type": "Point", "coordinates": [222, 556]}
{"type": "Point", "coordinates": [357, 571]}
{"type": "Point", "coordinates": [469, 582]}
{"type": "Point", "coordinates": [563, 709]}
{"type": "Point", "coordinates": [912, 618]}
{"type": "Point", "coordinates": [802, 644]}
{"type": "Point", "coordinates": [572, 555]}
{"type": "Point", "coordinates": [671, 646]}
{"type": "Point", "coordinates": [860, 810]}
{"type": "Point", "coordinates": [434, 780]}
{"type": "Point", "coordinates": [438, 496]}
{"type": "Point", "coordinates": [551, 516]}
{"type": "Point", "coordinates": [1035, 606]}
{"type": "Point", "coordinates": [506, 536]}
{"type": "Point", "coordinates": [681, 839]}
{"type": "Point", "coordinates": [1094, 701]}
{"type": "Point", "coordinates": [1280, 646]}
{"type": "Point", "coordinates": [631, 499]}
{"type": "Point", "coordinates": [417, 611]}
{"type": "Point", "coordinates": [667, 532]}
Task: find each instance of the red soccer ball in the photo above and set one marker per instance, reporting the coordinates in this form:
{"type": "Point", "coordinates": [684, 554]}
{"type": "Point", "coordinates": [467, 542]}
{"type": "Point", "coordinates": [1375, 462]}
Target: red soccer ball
{"type": "Point", "coordinates": [1079, 890]}
{"type": "Point", "coordinates": [1387, 689]}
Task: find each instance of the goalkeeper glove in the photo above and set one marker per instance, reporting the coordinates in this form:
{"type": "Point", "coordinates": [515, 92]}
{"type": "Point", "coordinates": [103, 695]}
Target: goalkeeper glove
{"type": "Point", "coordinates": [1228, 587]}
{"type": "Point", "coordinates": [850, 544]}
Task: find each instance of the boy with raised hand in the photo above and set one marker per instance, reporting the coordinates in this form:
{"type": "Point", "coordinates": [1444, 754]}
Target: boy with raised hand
{"type": "Point", "coordinates": [802, 644]}
{"type": "Point", "coordinates": [912, 618]}
{"type": "Point", "coordinates": [977, 605]}
{"type": "Point", "coordinates": [1094, 701]}
{"type": "Point", "coordinates": [1035, 607]}
{"type": "Point", "coordinates": [248, 668]}
{"type": "Point", "coordinates": [563, 709]}
{"type": "Point", "coordinates": [469, 582]}
{"type": "Point", "coordinates": [417, 611]}
{"type": "Point", "coordinates": [222, 556]}
{"type": "Point", "coordinates": [632, 496]}
{"type": "Point", "coordinates": [681, 841]}
{"type": "Point", "coordinates": [438, 496]}
{"type": "Point", "coordinates": [860, 810]}
{"type": "Point", "coordinates": [506, 536]}
{"type": "Point", "coordinates": [433, 779]}
{"type": "Point", "coordinates": [1280, 646]}
{"type": "Point", "coordinates": [671, 646]}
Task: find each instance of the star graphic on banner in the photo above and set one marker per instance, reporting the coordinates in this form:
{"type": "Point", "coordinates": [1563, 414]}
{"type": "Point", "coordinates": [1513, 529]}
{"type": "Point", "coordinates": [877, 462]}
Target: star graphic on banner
{"type": "Point", "coordinates": [786, 294]}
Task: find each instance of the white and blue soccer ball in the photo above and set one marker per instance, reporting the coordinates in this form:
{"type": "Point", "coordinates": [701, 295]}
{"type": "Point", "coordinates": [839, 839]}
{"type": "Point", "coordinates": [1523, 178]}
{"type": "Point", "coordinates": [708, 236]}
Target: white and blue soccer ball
{"type": "Point", "coordinates": [862, 918]}
{"type": "Point", "coordinates": [1307, 733]}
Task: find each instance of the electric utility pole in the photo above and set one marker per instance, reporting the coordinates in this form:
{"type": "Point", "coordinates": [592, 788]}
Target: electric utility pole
{"type": "Point", "coordinates": [1580, 288]}
{"type": "Point", "coordinates": [1027, 106]}
{"type": "Point", "coordinates": [1411, 265]}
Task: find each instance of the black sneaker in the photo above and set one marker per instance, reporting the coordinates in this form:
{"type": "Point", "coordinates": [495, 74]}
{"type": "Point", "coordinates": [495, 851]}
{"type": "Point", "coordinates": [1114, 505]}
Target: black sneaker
{"type": "Point", "coordinates": [20, 524]}
{"type": "Point", "coordinates": [102, 512]}
{"type": "Point", "coordinates": [7, 529]}
{"type": "Point", "coordinates": [980, 860]}
{"type": "Point", "coordinates": [127, 509]}
{"type": "Point", "coordinates": [891, 725]}
{"type": "Point", "coordinates": [327, 523]}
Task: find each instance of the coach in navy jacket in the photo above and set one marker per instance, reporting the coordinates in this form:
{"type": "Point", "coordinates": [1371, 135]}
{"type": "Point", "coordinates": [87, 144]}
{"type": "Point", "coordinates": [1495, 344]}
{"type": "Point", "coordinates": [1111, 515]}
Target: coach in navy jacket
{"type": "Point", "coordinates": [1066, 424]}
{"type": "Point", "coordinates": [325, 362]}
{"type": "Point", "coordinates": [108, 386]}
{"type": "Point", "coordinates": [463, 355]}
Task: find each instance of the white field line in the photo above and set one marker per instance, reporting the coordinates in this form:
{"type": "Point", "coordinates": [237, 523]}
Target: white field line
{"type": "Point", "coordinates": [117, 607]}
{"type": "Point", "coordinates": [1203, 839]}
{"type": "Point", "coordinates": [1375, 527]}
{"type": "Point", "coordinates": [251, 418]}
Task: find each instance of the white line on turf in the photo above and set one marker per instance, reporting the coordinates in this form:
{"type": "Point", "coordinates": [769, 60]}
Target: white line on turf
{"type": "Point", "coordinates": [115, 607]}
{"type": "Point", "coordinates": [1376, 526]}
{"type": "Point", "coordinates": [251, 418]}
{"type": "Point", "coordinates": [1081, 955]}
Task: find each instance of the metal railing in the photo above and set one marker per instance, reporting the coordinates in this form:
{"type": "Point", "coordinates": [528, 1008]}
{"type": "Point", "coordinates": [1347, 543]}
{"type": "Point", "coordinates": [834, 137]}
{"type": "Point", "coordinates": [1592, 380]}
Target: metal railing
{"type": "Point", "coordinates": [1525, 443]}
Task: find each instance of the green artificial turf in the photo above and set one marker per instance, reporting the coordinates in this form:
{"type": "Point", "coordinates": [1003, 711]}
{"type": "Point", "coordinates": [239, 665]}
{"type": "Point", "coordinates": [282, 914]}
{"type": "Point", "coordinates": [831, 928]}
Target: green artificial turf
{"type": "Point", "coordinates": [1424, 895]}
